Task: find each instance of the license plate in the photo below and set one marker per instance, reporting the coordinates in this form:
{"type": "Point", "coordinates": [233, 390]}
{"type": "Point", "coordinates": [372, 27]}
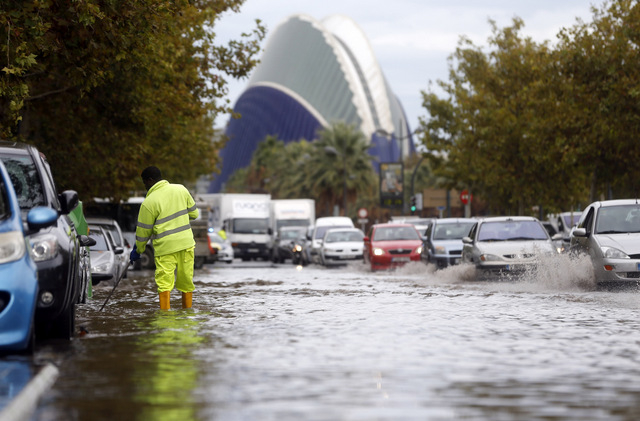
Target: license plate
{"type": "Point", "coordinates": [399, 259]}
{"type": "Point", "coordinates": [456, 261]}
{"type": "Point", "coordinates": [347, 256]}
{"type": "Point", "coordinates": [638, 267]}
{"type": "Point", "coordinates": [253, 250]}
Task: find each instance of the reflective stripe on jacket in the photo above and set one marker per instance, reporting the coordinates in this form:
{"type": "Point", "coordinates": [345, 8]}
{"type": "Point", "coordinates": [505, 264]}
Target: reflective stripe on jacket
{"type": "Point", "coordinates": [164, 218]}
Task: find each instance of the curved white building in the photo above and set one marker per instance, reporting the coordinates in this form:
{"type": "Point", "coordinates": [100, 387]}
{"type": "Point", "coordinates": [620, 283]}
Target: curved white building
{"type": "Point", "coordinates": [312, 74]}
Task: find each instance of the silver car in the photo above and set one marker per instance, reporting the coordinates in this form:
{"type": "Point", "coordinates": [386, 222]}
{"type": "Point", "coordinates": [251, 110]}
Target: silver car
{"type": "Point", "coordinates": [342, 245]}
{"type": "Point", "coordinates": [506, 246]}
{"type": "Point", "coordinates": [105, 265]}
{"type": "Point", "coordinates": [609, 232]}
{"type": "Point", "coordinates": [443, 241]}
{"type": "Point", "coordinates": [112, 226]}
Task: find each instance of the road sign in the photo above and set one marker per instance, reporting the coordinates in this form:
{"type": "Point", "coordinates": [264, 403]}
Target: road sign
{"type": "Point", "coordinates": [362, 213]}
{"type": "Point", "coordinates": [465, 197]}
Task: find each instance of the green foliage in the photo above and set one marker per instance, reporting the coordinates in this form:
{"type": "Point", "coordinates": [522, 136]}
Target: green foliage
{"type": "Point", "coordinates": [306, 170]}
{"type": "Point", "coordinates": [526, 124]}
{"type": "Point", "coordinates": [107, 87]}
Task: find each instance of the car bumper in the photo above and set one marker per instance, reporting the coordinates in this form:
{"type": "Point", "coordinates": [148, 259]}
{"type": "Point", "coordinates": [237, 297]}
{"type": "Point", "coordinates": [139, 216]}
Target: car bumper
{"type": "Point", "coordinates": [18, 297]}
{"type": "Point", "coordinates": [389, 261]}
{"type": "Point", "coordinates": [444, 260]}
{"type": "Point", "coordinates": [53, 277]}
{"type": "Point", "coordinates": [336, 259]}
{"type": "Point", "coordinates": [617, 270]}
{"type": "Point", "coordinates": [502, 270]}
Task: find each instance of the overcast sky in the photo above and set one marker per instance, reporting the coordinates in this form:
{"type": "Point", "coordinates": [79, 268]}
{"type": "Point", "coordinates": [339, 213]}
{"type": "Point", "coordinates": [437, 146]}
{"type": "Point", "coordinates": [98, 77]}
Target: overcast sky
{"type": "Point", "coordinates": [412, 39]}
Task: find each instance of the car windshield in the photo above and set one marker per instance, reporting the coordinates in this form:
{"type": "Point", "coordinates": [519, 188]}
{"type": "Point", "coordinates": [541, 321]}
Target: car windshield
{"type": "Point", "coordinates": [571, 219]}
{"type": "Point", "coordinates": [26, 182]}
{"type": "Point", "coordinates": [251, 226]}
{"type": "Point", "coordinates": [322, 230]}
{"type": "Point", "coordinates": [290, 234]}
{"type": "Point", "coordinates": [618, 219]}
{"type": "Point", "coordinates": [101, 241]}
{"type": "Point", "coordinates": [215, 238]}
{"type": "Point", "coordinates": [395, 234]}
{"type": "Point", "coordinates": [4, 201]}
{"type": "Point", "coordinates": [512, 231]}
{"type": "Point", "coordinates": [343, 236]}
{"type": "Point", "coordinates": [452, 231]}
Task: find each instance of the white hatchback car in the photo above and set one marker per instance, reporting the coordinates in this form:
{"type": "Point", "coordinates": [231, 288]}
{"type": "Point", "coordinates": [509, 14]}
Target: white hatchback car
{"type": "Point", "coordinates": [342, 245]}
{"type": "Point", "coordinates": [609, 232]}
{"type": "Point", "coordinates": [506, 246]}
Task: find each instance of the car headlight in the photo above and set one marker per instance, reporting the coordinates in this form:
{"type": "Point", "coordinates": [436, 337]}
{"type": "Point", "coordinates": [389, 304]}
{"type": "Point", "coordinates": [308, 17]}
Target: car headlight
{"type": "Point", "coordinates": [44, 247]}
{"type": "Point", "coordinates": [378, 252]}
{"type": "Point", "coordinates": [102, 268]}
{"type": "Point", "coordinates": [297, 248]}
{"type": "Point", "coordinates": [440, 250]}
{"type": "Point", "coordinates": [419, 250]}
{"type": "Point", "coordinates": [12, 246]}
{"type": "Point", "coordinates": [490, 258]}
{"type": "Point", "coordinates": [613, 253]}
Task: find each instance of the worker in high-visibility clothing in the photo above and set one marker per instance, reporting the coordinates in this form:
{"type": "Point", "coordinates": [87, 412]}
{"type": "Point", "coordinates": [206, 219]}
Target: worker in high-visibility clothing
{"type": "Point", "coordinates": [164, 218]}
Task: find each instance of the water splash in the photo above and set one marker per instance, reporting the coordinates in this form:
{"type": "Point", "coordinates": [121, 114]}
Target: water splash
{"type": "Point", "coordinates": [562, 272]}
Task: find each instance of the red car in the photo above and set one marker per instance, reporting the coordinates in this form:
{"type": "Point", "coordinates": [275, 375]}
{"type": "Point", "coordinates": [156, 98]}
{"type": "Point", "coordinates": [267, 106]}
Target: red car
{"type": "Point", "coordinates": [390, 245]}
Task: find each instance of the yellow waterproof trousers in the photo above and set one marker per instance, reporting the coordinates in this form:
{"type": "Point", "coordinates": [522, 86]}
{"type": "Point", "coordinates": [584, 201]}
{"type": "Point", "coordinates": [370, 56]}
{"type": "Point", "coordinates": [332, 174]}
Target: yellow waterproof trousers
{"type": "Point", "coordinates": [175, 267]}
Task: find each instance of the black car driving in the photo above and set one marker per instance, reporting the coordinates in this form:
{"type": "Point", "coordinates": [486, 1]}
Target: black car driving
{"type": "Point", "coordinates": [56, 250]}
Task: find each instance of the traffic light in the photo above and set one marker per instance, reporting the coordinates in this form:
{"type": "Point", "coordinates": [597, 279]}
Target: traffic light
{"type": "Point", "coordinates": [418, 197]}
{"type": "Point", "coordinates": [413, 206]}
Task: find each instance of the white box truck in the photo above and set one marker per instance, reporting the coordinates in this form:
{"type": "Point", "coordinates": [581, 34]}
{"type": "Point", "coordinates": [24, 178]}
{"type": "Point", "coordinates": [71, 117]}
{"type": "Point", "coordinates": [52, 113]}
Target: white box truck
{"type": "Point", "coordinates": [245, 219]}
{"type": "Point", "coordinates": [290, 213]}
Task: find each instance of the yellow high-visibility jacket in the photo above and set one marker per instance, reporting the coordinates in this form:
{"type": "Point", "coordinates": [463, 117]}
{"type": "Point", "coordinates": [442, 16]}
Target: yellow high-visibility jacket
{"type": "Point", "coordinates": [164, 218]}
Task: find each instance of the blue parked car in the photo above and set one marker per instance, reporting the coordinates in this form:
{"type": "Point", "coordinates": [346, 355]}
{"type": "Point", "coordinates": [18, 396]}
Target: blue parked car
{"type": "Point", "coordinates": [18, 272]}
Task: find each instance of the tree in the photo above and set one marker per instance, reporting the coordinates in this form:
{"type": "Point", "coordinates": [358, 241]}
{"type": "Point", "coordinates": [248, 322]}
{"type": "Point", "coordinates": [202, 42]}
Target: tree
{"type": "Point", "coordinates": [107, 87]}
{"type": "Point", "coordinates": [599, 62]}
{"type": "Point", "coordinates": [491, 134]}
{"type": "Point", "coordinates": [305, 169]}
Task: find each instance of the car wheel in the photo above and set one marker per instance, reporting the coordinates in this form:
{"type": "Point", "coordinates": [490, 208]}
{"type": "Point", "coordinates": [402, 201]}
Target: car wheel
{"type": "Point", "coordinates": [64, 326]}
{"type": "Point", "coordinates": [31, 345]}
{"type": "Point", "coordinates": [146, 259]}
{"type": "Point", "coordinates": [198, 262]}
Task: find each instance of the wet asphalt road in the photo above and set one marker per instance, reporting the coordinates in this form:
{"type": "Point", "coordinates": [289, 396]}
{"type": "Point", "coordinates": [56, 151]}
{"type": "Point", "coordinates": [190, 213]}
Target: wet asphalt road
{"type": "Point", "coordinates": [275, 342]}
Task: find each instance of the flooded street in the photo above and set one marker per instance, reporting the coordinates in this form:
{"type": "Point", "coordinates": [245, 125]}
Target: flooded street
{"type": "Point", "coordinates": [276, 342]}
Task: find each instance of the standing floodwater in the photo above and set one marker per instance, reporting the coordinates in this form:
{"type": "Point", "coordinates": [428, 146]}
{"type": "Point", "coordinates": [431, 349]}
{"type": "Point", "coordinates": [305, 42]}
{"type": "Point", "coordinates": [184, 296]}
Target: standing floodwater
{"type": "Point", "coordinates": [267, 342]}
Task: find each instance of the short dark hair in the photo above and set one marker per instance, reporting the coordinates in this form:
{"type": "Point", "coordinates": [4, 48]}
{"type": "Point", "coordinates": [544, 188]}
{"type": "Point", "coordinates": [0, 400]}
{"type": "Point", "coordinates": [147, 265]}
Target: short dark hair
{"type": "Point", "coordinates": [151, 173]}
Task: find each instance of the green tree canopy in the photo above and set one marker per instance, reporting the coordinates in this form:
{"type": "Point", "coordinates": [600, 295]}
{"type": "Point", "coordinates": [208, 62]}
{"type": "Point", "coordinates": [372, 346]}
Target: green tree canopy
{"type": "Point", "coordinates": [305, 169]}
{"type": "Point", "coordinates": [527, 124]}
{"type": "Point", "coordinates": [107, 87]}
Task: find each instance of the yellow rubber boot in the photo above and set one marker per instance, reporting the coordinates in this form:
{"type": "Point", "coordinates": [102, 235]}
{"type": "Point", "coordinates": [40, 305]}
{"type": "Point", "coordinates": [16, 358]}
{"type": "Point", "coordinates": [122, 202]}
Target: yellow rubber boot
{"type": "Point", "coordinates": [186, 299]}
{"type": "Point", "coordinates": [165, 300]}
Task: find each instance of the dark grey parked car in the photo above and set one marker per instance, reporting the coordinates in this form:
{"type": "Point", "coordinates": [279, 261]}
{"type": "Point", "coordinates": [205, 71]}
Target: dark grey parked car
{"type": "Point", "coordinates": [56, 249]}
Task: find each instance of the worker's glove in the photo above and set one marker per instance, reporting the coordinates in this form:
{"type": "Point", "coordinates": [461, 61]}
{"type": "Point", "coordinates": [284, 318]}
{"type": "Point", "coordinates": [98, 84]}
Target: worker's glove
{"type": "Point", "coordinates": [134, 255]}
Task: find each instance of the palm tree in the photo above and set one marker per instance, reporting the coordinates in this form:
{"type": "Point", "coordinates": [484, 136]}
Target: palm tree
{"type": "Point", "coordinates": [341, 166]}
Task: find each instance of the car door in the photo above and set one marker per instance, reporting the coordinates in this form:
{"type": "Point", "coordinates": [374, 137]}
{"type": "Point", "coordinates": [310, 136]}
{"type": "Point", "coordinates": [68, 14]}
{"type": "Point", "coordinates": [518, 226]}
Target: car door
{"type": "Point", "coordinates": [586, 222]}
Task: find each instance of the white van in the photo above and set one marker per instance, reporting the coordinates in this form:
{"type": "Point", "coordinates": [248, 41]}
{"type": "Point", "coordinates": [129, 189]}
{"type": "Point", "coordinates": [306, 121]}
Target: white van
{"type": "Point", "coordinates": [321, 226]}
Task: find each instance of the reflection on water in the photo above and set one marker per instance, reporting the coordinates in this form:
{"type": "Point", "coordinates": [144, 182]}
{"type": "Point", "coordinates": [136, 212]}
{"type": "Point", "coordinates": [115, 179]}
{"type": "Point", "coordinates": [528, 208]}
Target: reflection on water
{"type": "Point", "coordinates": [171, 371]}
{"type": "Point", "coordinates": [287, 343]}
{"type": "Point", "coordinates": [136, 362]}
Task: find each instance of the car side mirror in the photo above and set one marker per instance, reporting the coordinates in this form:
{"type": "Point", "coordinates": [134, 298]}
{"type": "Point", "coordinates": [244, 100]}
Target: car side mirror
{"type": "Point", "coordinates": [467, 240]}
{"type": "Point", "coordinates": [118, 250]}
{"type": "Point", "coordinates": [68, 201]}
{"type": "Point", "coordinates": [556, 237]}
{"type": "Point", "coordinates": [41, 217]}
{"type": "Point", "coordinates": [365, 239]}
{"type": "Point", "coordinates": [86, 241]}
{"type": "Point", "coordinates": [579, 232]}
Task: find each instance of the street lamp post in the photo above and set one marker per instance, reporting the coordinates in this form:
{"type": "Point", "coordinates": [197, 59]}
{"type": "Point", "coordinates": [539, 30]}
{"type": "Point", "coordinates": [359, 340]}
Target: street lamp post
{"type": "Point", "coordinates": [333, 151]}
